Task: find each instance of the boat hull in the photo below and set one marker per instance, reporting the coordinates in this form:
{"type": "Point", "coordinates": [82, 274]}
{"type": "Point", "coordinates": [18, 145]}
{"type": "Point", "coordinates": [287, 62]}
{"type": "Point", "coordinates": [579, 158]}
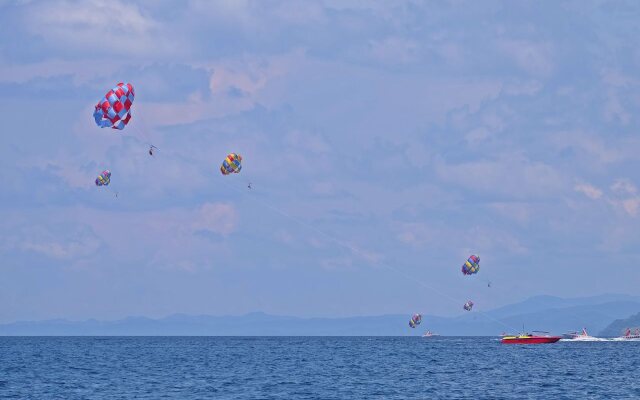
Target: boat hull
{"type": "Point", "coordinates": [530, 340]}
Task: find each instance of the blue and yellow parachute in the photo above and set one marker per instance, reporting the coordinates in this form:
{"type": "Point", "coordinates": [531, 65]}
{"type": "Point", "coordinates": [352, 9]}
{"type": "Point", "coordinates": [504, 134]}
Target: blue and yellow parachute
{"type": "Point", "coordinates": [471, 266]}
{"type": "Point", "coordinates": [232, 164]}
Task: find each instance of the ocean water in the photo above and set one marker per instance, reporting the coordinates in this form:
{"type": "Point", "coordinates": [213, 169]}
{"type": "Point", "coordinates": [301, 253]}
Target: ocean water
{"type": "Point", "coordinates": [314, 368]}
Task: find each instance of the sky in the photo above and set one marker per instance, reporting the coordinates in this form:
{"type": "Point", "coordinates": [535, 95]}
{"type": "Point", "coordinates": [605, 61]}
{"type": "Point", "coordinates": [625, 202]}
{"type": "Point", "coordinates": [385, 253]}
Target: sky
{"type": "Point", "coordinates": [385, 142]}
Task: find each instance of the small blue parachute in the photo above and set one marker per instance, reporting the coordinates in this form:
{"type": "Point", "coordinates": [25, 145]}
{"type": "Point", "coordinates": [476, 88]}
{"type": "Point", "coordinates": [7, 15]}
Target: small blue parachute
{"type": "Point", "coordinates": [415, 320]}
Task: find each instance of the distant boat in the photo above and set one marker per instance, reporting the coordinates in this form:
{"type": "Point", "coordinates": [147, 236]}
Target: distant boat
{"type": "Point", "coordinates": [430, 334]}
{"type": "Point", "coordinates": [629, 336]}
{"type": "Point", "coordinates": [580, 337]}
{"type": "Point", "coordinates": [528, 338]}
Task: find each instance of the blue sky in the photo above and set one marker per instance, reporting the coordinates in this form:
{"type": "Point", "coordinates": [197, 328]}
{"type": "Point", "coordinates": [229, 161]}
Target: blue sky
{"type": "Point", "coordinates": [379, 137]}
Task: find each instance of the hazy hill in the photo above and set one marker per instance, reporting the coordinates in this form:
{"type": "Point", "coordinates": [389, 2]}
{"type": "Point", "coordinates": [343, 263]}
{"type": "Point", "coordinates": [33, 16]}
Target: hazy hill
{"type": "Point", "coordinates": [541, 303]}
{"type": "Point", "coordinates": [617, 327]}
{"type": "Point", "coordinates": [546, 313]}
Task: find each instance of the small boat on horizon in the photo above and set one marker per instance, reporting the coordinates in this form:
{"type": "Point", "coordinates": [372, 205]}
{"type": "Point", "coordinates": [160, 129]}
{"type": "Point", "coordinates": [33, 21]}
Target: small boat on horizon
{"type": "Point", "coordinates": [528, 338]}
{"type": "Point", "coordinates": [429, 334]}
{"type": "Point", "coordinates": [629, 336]}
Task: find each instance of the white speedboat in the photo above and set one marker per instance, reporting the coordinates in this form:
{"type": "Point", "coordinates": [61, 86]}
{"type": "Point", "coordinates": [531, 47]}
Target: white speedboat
{"type": "Point", "coordinates": [629, 336]}
{"type": "Point", "coordinates": [430, 334]}
{"type": "Point", "coordinates": [580, 337]}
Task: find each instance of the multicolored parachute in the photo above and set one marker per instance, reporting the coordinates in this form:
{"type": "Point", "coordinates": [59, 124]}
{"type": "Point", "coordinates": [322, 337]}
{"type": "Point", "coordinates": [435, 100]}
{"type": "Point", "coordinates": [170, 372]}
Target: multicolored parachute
{"type": "Point", "coordinates": [468, 305]}
{"type": "Point", "coordinates": [231, 164]}
{"type": "Point", "coordinates": [104, 178]}
{"type": "Point", "coordinates": [415, 320]}
{"type": "Point", "coordinates": [471, 266]}
{"type": "Point", "coordinates": [114, 110]}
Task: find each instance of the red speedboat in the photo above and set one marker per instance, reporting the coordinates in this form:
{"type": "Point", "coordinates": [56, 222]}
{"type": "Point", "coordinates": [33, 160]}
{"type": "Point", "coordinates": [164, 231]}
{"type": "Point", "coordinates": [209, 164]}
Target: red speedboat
{"type": "Point", "coordinates": [527, 338]}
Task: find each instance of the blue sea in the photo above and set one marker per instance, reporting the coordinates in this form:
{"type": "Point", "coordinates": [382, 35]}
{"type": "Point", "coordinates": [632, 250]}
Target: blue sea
{"type": "Point", "coordinates": [314, 368]}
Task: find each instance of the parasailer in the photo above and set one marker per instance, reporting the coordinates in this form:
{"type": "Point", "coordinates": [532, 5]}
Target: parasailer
{"type": "Point", "coordinates": [104, 178]}
{"type": "Point", "coordinates": [231, 164]}
{"type": "Point", "coordinates": [152, 148]}
{"type": "Point", "coordinates": [415, 320]}
{"type": "Point", "coordinates": [114, 109]}
{"type": "Point", "coordinates": [468, 305]}
{"type": "Point", "coordinates": [471, 266]}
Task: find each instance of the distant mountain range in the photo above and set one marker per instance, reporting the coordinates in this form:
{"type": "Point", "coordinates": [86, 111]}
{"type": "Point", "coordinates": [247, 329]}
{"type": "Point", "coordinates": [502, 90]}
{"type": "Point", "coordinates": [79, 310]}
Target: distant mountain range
{"type": "Point", "coordinates": [548, 313]}
{"type": "Point", "coordinates": [617, 327]}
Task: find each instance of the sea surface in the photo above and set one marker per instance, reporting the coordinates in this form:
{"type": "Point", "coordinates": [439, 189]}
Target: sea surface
{"type": "Point", "coordinates": [314, 368]}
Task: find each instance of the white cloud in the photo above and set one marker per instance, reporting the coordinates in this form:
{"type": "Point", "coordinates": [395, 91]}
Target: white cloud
{"type": "Point", "coordinates": [255, 17]}
{"type": "Point", "coordinates": [106, 25]}
{"type": "Point", "coordinates": [631, 206]}
{"type": "Point", "coordinates": [622, 195]}
{"type": "Point", "coordinates": [616, 78]}
{"type": "Point", "coordinates": [593, 146]}
{"type": "Point", "coordinates": [394, 50]}
{"type": "Point", "coordinates": [81, 71]}
{"type": "Point", "coordinates": [623, 187]}
{"type": "Point", "coordinates": [415, 234]}
{"type": "Point", "coordinates": [452, 239]}
{"type": "Point", "coordinates": [533, 57]}
{"type": "Point", "coordinates": [614, 110]}
{"type": "Point", "coordinates": [477, 135]}
{"type": "Point", "coordinates": [590, 191]}
{"type": "Point", "coordinates": [284, 236]}
{"type": "Point", "coordinates": [63, 242]}
{"type": "Point", "coordinates": [92, 16]}
{"type": "Point", "coordinates": [235, 85]}
{"type": "Point", "coordinates": [167, 238]}
{"type": "Point", "coordinates": [419, 155]}
{"type": "Point", "coordinates": [247, 80]}
{"type": "Point", "coordinates": [324, 188]}
{"type": "Point", "coordinates": [510, 176]}
{"type": "Point", "coordinates": [619, 85]}
{"type": "Point", "coordinates": [625, 197]}
{"type": "Point", "coordinates": [337, 263]}
{"type": "Point", "coordinates": [300, 13]}
{"type": "Point", "coordinates": [308, 141]}
{"type": "Point", "coordinates": [525, 88]}
{"type": "Point", "coordinates": [216, 217]}
{"type": "Point", "coordinates": [519, 212]}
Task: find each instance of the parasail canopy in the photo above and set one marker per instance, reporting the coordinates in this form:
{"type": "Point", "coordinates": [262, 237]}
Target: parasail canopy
{"type": "Point", "coordinates": [114, 109]}
{"type": "Point", "coordinates": [471, 266]}
{"type": "Point", "coordinates": [231, 164]}
{"type": "Point", "coordinates": [104, 178]}
{"type": "Point", "coordinates": [415, 320]}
